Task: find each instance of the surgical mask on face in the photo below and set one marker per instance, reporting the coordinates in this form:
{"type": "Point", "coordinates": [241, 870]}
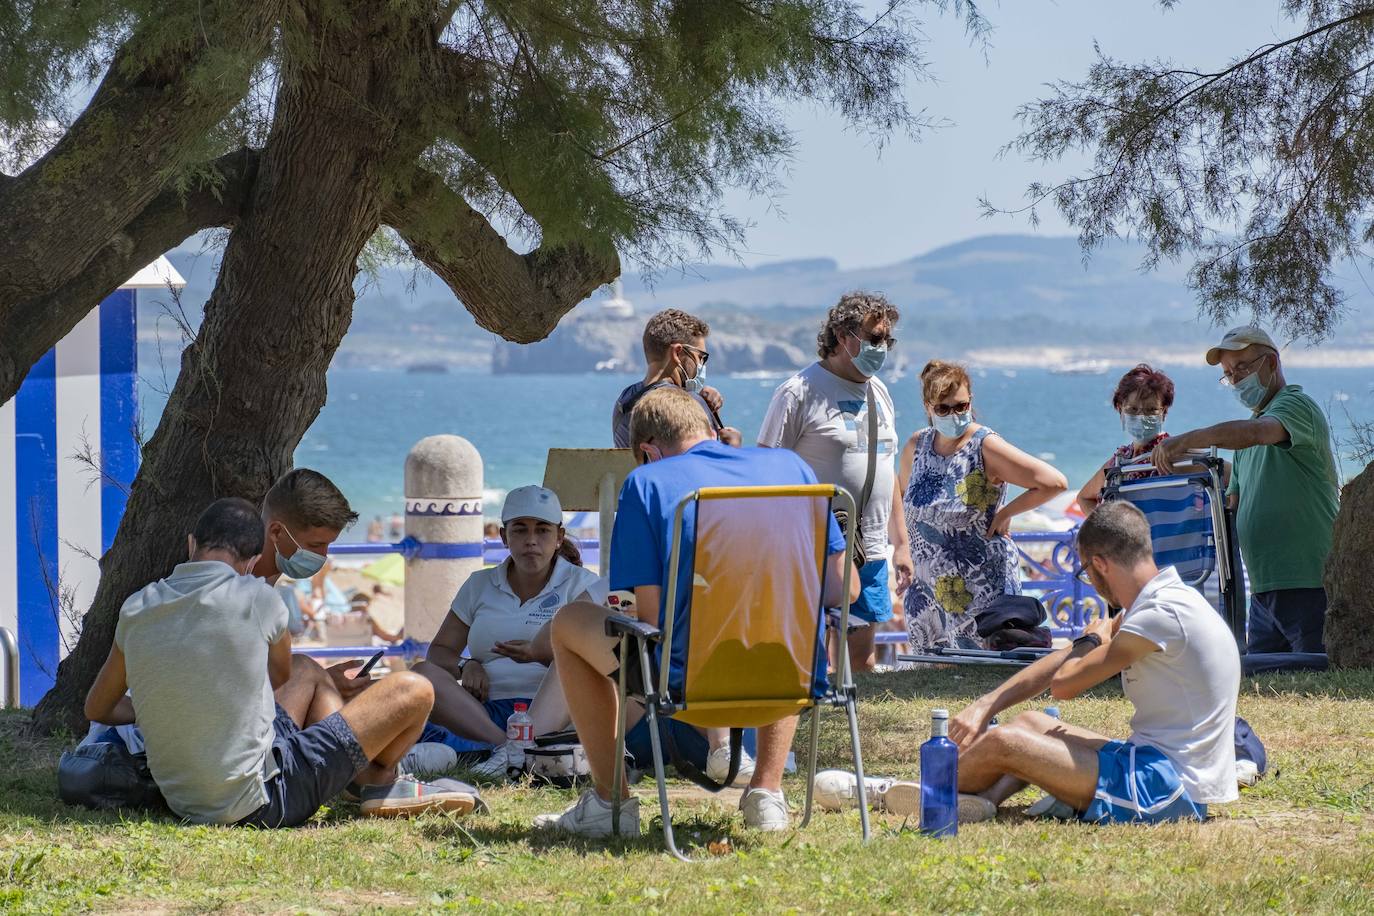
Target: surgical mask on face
{"type": "Point", "coordinates": [300, 565]}
{"type": "Point", "coordinates": [1142, 427]}
{"type": "Point", "coordinates": [1250, 391]}
{"type": "Point", "coordinates": [870, 358]}
{"type": "Point", "coordinates": [954, 425]}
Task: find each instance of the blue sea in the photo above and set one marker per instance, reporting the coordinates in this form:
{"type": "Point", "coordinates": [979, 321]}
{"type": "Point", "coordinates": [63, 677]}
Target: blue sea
{"type": "Point", "coordinates": [372, 419]}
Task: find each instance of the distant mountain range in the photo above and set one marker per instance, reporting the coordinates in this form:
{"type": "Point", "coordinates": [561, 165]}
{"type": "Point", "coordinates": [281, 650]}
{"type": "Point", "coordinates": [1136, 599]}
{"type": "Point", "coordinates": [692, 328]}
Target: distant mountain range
{"type": "Point", "coordinates": [999, 298]}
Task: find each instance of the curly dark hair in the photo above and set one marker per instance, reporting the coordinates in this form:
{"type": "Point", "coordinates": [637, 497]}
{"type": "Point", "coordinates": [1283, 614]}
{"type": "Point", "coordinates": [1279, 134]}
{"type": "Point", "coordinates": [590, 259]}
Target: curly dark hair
{"type": "Point", "coordinates": [849, 314]}
{"type": "Point", "coordinates": [1144, 378]}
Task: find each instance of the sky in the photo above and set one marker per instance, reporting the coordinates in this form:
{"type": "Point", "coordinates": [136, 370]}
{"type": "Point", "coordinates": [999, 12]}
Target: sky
{"type": "Point", "coordinates": [846, 199]}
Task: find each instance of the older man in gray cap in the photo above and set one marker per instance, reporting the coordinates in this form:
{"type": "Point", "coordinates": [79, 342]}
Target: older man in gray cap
{"type": "Point", "coordinates": [1284, 488]}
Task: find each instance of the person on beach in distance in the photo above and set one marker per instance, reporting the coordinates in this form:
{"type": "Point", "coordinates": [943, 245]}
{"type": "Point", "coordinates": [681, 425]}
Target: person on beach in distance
{"type": "Point", "coordinates": [237, 730]}
{"type": "Point", "coordinates": [954, 475]}
{"type": "Point", "coordinates": [1142, 399]}
{"type": "Point", "coordinates": [674, 355]}
{"type": "Point", "coordinates": [821, 413]}
{"type": "Point", "coordinates": [499, 617]}
{"type": "Point", "coordinates": [1180, 670]}
{"type": "Point", "coordinates": [1283, 488]}
{"type": "Point", "coordinates": [674, 441]}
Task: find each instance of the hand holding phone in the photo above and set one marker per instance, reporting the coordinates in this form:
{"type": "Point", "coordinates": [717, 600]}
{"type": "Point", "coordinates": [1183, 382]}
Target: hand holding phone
{"type": "Point", "coordinates": [366, 669]}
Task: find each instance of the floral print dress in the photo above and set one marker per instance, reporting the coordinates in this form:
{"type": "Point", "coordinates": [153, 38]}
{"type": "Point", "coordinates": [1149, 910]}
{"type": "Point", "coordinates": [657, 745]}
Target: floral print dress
{"type": "Point", "coordinates": [949, 503]}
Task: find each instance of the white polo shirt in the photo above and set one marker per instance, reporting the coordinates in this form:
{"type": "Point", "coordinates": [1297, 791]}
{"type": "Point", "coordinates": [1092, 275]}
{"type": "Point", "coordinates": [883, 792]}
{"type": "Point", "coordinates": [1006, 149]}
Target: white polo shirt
{"type": "Point", "coordinates": [489, 606]}
{"type": "Point", "coordinates": [1185, 694]}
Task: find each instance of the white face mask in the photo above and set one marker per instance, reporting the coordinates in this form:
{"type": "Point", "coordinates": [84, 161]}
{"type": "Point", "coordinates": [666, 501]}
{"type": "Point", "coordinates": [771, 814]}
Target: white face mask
{"type": "Point", "coordinates": [1142, 427]}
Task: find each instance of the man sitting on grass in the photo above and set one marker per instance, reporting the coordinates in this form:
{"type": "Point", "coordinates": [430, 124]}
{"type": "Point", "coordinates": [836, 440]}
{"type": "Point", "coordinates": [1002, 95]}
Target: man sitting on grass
{"type": "Point", "coordinates": [671, 434]}
{"type": "Point", "coordinates": [1179, 668]}
{"type": "Point", "coordinates": [202, 652]}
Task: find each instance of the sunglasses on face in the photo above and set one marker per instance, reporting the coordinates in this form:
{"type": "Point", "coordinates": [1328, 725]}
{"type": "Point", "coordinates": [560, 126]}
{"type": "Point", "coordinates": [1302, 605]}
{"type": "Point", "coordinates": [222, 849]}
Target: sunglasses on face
{"type": "Point", "coordinates": [702, 356]}
{"type": "Point", "coordinates": [877, 340]}
{"type": "Point", "coordinates": [944, 410]}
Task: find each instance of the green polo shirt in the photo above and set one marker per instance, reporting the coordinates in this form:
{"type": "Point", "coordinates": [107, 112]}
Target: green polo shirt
{"type": "Point", "coordinates": [1289, 495]}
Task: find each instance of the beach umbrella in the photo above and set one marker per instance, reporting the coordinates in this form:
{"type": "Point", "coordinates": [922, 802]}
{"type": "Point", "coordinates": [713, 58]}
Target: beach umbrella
{"type": "Point", "coordinates": [389, 570]}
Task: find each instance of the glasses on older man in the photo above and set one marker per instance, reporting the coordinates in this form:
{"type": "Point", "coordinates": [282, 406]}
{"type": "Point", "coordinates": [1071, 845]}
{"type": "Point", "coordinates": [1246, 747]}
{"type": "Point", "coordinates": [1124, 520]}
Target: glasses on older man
{"type": "Point", "coordinates": [1241, 372]}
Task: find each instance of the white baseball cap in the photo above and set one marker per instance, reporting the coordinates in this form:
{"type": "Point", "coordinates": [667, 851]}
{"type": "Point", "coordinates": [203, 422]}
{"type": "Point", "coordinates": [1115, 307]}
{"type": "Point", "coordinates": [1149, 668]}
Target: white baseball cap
{"type": "Point", "coordinates": [532, 502]}
{"type": "Point", "coordinates": [1240, 338]}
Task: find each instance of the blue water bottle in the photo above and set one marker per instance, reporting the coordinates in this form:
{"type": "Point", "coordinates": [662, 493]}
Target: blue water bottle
{"type": "Point", "coordinates": [939, 779]}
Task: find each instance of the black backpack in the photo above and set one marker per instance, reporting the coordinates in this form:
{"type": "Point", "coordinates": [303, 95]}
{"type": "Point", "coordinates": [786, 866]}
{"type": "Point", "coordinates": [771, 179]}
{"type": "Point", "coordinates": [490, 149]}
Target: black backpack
{"type": "Point", "coordinates": [104, 776]}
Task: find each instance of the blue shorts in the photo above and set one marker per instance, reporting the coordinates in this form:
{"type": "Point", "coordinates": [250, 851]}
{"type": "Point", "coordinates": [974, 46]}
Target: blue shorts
{"type": "Point", "coordinates": [875, 601]}
{"type": "Point", "coordinates": [314, 764]}
{"type": "Point", "coordinates": [1137, 784]}
{"type": "Point", "coordinates": [691, 744]}
{"type": "Point", "coordinates": [497, 710]}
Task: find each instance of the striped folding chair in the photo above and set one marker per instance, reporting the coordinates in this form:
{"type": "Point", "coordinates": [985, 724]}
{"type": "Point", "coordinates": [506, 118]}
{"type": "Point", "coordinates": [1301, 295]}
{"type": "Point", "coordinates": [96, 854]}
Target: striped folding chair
{"type": "Point", "coordinates": [1192, 529]}
{"type": "Point", "coordinates": [742, 643]}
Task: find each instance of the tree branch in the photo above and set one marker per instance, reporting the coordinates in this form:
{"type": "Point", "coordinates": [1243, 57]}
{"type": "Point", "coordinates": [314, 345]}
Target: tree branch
{"type": "Point", "coordinates": [34, 326]}
{"type": "Point", "coordinates": [518, 296]}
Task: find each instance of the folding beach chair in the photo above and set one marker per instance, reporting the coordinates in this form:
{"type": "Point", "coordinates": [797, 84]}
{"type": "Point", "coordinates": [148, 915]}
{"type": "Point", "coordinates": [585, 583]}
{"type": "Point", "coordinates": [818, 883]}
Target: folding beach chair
{"type": "Point", "coordinates": [747, 648]}
{"type": "Point", "coordinates": [1192, 529]}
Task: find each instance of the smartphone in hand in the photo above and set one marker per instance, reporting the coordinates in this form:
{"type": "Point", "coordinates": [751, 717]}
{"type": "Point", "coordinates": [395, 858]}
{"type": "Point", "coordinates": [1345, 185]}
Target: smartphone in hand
{"type": "Point", "coordinates": [366, 669]}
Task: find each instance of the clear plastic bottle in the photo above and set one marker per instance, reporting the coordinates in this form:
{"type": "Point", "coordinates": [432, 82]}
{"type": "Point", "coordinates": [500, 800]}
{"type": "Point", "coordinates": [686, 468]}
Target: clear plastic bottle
{"type": "Point", "coordinates": [939, 779]}
{"type": "Point", "coordinates": [520, 735]}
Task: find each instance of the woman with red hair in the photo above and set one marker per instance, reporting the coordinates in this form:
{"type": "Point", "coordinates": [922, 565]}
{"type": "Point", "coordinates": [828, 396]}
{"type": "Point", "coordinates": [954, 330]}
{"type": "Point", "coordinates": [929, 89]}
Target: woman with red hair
{"type": "Point", "coordinates": [1142, 399]}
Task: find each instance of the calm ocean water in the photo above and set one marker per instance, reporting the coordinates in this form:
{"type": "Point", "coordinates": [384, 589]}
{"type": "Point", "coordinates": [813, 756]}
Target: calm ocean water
{"type": "Point", "coordinates": [373, 418]}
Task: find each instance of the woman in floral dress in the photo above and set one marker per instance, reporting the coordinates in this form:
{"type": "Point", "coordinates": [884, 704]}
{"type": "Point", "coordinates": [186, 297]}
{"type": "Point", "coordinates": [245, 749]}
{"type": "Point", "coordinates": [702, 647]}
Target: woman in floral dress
{"type": "Point", "coordinates": [953, 476]}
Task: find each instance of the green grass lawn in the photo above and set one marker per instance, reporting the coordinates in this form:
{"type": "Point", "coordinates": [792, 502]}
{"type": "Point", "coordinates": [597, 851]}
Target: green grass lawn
{"type": "Point", "coordinates": [1301, 841]}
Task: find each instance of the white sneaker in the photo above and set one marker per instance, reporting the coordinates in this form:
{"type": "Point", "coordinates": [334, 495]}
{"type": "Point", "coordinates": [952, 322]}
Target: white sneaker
{"type": "Point", "coordinates": [590, 816]}
{"type": "Point", "coordinates": [1247, 773]}
{"type": "Point", "coordinates": [428, 759]}
{"type": "Point", "coordinates": [1049, 806]}
{"type": "Point", "coordinates": [498, 765]}
{"type": "Point", "coordinates": [836, 790]}
{"type": "Point", "coordinates": [718, 766]}
{"type": "Point", "coordinates": [764, 809]}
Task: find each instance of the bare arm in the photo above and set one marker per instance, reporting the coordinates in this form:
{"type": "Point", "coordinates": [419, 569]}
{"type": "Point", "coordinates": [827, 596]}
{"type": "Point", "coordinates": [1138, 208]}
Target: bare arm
{"type": "Point", "coordinates": [1086, 671]}
{"type": "Point", "coordinates": [108, 701]}
{"type": "Point", "coordinates": [446, 648]}
{"type": "Point", "coordinates": [279, 661]}
{"type": "Point", "coordinates": [1233, 434]}
{"type": "Point", "coordinates": [1006, 462]}
{"type": "Point", "coordinates": [1091, 494]}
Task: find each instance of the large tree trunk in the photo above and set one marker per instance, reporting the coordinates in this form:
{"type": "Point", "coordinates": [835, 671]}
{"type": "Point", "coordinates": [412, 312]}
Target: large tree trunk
{"type": "Point", "coordinates": [1349, 577]}
{"type": "Point", "coordinates": [254, 379]}
{"type": "Point", "coordinates": [146, 122]}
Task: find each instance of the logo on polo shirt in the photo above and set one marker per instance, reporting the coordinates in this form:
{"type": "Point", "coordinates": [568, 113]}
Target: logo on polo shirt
{"type": "Point", "coordinates": [550, 602]}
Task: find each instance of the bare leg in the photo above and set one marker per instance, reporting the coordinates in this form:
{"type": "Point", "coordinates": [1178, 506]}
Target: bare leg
{"type": "Point", "coordinates": [861, 649]}
{"type": "Point", "coordinates": [1061, 760]}
{"type": "Point", "coordinates": [774, 742]}
{"type": "Point", "coordinates": [456, 709]}
{"type": "Point", "coordinates": [548, 706]}
{"type": "Point", "coordinates": [310, 694]}
{"type": "Point", "coordinates": [386, 719]}
{"type": "Point", "coordinates": [584, 657]}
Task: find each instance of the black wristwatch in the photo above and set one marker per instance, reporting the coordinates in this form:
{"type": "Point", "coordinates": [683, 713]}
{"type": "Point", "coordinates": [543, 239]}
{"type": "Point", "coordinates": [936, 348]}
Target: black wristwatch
{"type": "Point", "coordinates": [1088, 638]}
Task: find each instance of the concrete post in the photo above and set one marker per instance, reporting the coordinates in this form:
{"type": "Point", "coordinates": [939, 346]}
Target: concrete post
{"type": "Point", "coordinates": [443, 490]}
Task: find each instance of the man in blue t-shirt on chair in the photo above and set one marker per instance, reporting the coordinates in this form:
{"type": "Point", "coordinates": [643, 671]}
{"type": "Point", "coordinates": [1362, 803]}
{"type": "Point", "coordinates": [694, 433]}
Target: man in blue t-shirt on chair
{"type": "Point", "coordinates": [671, 437]}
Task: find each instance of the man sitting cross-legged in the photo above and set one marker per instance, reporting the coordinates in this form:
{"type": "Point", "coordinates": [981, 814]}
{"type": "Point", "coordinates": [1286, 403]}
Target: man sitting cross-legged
{"type": "Point", "coordinates": [670, 433]}
{"type": "Point", "coordinates": [202, 651]}
{"type": "Point", "coordinates": [1179, 667]}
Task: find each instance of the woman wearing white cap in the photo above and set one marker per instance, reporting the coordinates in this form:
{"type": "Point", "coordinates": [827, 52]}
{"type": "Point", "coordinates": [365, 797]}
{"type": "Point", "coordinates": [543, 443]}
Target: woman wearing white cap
{"type": "Point", "coordinates": [496, 614]}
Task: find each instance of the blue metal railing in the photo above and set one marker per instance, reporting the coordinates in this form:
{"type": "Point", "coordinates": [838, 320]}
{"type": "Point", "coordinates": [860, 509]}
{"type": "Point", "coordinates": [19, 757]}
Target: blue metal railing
{"type": "Point", "coordinates": [1069, 602]}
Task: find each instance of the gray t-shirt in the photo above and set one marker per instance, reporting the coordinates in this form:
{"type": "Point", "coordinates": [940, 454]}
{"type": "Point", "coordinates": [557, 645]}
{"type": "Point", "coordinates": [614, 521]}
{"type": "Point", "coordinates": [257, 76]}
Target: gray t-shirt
{"type": "Point", "coordinates": [195, 649]}
{"type": "Point", "coordinates": [824, 419]}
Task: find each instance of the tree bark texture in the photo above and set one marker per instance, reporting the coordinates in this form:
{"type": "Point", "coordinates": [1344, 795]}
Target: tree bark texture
{"type": "Point", "coordinates": [69, 210]}
{"type": "Point", "coordinates": [253, 380]}
{"type": "Point", "coordinates": [1349, 577]}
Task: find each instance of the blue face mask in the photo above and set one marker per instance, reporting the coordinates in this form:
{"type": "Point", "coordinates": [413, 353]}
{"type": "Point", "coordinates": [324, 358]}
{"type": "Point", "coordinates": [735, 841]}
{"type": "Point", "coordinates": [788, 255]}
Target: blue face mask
{"type": "Point", "coordinates": [300, 565]}
{"type": "Point", "coordinates": [954, 425]}
{"type": "Point", "coordinates": [871, 357]}
{"type": "Point", "coordinates": [1250, 391]}
{"type": "Point", "coordinates": [1142, 427]}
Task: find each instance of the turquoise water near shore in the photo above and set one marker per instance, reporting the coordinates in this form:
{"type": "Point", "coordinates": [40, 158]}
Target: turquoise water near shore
{"type": "Point", "coordinates": [374, 417]}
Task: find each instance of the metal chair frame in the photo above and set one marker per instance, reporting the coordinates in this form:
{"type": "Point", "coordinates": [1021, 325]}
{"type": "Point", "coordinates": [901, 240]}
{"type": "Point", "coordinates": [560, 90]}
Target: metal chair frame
{"type": "Point", "coordinates": [658, 701]}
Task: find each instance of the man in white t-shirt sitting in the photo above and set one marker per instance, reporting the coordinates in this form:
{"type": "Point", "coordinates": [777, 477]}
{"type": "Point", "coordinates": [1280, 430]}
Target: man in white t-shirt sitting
{"type": "Point", "coordinates": [821, 413]}
{"type": "Point", "coordinates": [1179, 667]}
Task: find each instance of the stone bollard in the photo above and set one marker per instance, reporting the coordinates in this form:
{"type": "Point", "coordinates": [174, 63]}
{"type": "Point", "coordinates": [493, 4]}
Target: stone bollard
{"type": "Point", "coordinates": [443, 489]}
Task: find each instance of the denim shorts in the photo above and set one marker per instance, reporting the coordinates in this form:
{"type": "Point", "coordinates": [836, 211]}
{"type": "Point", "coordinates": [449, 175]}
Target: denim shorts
{"type": "Point", "coordinates": [875, 601]}
{"type": "Point", "coordinates": [1136, 783]}
{"type": "Point", "coordinates": [314, 764]}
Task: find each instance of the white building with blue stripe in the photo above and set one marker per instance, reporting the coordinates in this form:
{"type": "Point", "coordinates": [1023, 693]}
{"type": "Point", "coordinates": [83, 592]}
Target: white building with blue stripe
{"type": "Point", "coordinates": [58, 513]}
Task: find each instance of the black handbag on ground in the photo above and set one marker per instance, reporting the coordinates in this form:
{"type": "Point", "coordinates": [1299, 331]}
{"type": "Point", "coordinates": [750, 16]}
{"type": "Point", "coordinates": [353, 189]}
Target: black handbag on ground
{"type": "Point", "coordinates": [104, 776]}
